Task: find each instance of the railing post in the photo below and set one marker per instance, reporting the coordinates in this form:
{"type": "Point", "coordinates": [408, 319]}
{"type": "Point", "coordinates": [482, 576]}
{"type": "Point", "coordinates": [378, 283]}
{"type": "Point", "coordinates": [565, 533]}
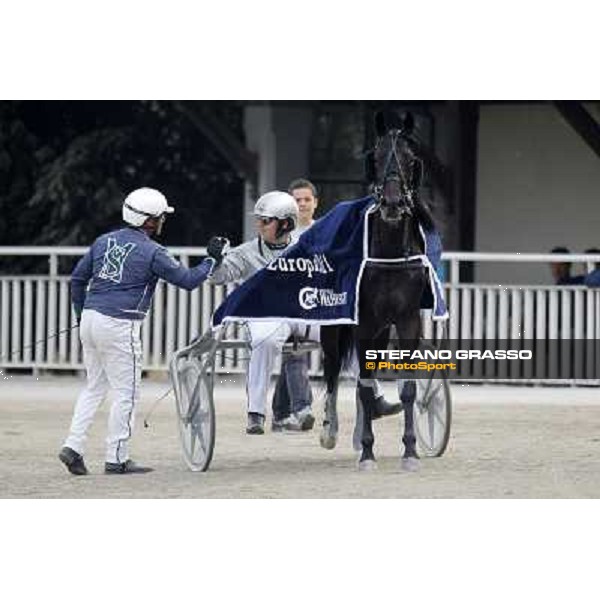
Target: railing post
{"type": "Point", "coordinates": [454, 308]}
{"type": "Point", "coordinates": [454, 271]}
{"type": "Point", "coordinates": [53, 264]}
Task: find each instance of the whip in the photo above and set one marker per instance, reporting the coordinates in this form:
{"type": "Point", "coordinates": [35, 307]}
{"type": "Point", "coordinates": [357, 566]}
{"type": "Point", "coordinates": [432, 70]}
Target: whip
{"type": "Point", "coordinates": [154, 405]}
{"type": "Point", "coordinates": [43, 340]}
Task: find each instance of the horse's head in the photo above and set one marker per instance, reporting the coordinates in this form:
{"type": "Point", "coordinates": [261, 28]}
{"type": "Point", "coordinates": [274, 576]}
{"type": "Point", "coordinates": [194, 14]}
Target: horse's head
{"type": "Point", "coordinates": [393, 166]}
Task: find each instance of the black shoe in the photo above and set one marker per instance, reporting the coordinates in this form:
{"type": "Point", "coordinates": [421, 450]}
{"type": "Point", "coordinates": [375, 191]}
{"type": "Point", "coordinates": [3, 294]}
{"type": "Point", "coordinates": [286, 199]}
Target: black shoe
{"type": "Point", "coordinates": [125, 468]}
{"type": "Point", "coordinates": [256, 424]}
{"type": "Point", "coordinates": [73, 461]}
{"type": "Point", "coordinates": [382, 408]}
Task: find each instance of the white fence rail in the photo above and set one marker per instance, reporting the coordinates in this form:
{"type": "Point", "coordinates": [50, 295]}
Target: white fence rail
{"type": "Point", "coordinates": [34, 308]}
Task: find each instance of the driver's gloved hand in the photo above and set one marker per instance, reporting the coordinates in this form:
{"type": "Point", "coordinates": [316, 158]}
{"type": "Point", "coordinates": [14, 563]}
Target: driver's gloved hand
{"type": "Point", "coordinates": [217, 248]}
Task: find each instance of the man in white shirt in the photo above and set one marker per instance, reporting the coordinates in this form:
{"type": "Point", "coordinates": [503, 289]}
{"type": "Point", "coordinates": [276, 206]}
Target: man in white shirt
{"type": "Point", "coordinates": [292, 398]}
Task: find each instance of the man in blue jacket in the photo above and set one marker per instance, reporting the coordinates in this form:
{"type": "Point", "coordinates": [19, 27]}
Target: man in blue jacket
{"type": "Point", "coordinates": [112, 287]}
{"type": "Point", "coordinates": [592, 279]}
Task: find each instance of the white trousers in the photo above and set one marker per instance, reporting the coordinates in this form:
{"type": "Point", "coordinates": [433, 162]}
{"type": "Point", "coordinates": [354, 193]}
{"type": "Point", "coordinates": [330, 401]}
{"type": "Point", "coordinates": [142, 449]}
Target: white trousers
{"type": "Point", "coordinates": [112, 353]}
{"type": "Point", "coordinates": [266, 341]}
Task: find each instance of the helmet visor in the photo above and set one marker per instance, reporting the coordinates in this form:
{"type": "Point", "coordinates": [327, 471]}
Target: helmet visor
{"type": "Point", "coordinates": [137, 211]}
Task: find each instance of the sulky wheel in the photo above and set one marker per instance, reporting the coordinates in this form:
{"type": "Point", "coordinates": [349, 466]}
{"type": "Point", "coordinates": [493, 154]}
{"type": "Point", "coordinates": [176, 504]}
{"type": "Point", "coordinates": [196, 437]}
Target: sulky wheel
{"type": "Point", "coordinates": [196, 412]}
{"type": "Point", "coordinates": [433, 414]}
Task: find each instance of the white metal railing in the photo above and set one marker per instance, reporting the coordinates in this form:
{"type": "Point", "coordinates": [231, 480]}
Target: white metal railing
{"type": "Point", "coordinates": [566, 318]}
{"type": "Point", "coordinates": [528, 312]}
{"type": "Point", "coordinates": [36, 307]}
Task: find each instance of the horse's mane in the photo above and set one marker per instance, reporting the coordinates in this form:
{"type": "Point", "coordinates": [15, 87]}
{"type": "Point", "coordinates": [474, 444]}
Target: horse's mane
{"type": "Point", "coordinates": [424, 215]}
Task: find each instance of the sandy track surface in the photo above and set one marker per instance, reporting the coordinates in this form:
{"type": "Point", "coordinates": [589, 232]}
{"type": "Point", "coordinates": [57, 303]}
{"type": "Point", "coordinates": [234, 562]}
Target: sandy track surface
{"type": "Point", "coordinates": [507, 442]}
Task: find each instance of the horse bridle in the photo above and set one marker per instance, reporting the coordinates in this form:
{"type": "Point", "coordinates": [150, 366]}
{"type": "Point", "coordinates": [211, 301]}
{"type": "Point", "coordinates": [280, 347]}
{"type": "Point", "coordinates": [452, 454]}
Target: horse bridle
{"type": "Point", "coordinates": [406, 189]}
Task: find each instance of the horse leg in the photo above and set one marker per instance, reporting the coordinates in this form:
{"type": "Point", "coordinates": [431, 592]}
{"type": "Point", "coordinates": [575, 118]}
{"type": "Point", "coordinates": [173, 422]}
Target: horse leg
{"type": "Point", "coordinates": [381, 408]}
{"type": "Point", "coordinates": [409, 329]}
{"type": "Point", "coordinates": [329, 431]}
{"type": "Point", "coordinates": [331, 370]}
{"type": "Point", "coordinates": [366, 393]}
{"type": "Point", "coordinates": [358, 422]}
{"type": "Point", "coordinates": [410, 460]}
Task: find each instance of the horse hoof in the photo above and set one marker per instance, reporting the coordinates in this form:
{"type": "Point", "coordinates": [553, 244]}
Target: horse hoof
{"type": "Point", "coordinates": [410, 464]}
{"type": "Point", "coordinates": [367, 465]}
{"type": "Point", "coordinates": [328, 441]}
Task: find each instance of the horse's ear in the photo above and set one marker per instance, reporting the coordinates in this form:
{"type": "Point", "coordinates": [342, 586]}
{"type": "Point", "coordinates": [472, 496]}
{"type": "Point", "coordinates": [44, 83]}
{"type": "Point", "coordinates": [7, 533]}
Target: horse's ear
{"type": "Point", "coordinates": [408, 123]}
{"type": "Point", "coordinates": [380, 128]}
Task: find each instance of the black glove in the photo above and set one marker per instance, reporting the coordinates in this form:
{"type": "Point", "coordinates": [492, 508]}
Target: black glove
{"type": "Point", "coordinates": [217, 248]}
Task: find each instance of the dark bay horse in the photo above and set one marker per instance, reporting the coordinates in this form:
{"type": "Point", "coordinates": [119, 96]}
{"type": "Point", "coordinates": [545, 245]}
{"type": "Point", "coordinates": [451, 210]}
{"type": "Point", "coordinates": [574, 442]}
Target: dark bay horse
{"type": "Point", "coordinates": [391, 286]}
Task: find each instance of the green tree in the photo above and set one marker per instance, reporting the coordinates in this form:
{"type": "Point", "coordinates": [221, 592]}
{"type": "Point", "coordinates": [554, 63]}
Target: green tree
{"type": "Point", "coordinates": [65, 168]}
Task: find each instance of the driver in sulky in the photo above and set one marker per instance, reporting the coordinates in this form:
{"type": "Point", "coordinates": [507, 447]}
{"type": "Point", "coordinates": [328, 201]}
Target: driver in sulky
{"type": "Point", "coordinates": [276, 216]}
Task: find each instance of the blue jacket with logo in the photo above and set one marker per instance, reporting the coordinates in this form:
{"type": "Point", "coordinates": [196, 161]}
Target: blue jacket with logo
{"type": "Point", "coordinates": [123, 268]}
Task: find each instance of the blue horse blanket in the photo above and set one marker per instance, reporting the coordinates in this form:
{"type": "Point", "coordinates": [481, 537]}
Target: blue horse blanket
{"type": "Point", "coordinates": [317, 280]}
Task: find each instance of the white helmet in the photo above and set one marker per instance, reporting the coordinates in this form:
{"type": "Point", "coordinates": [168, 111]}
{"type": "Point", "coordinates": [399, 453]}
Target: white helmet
{"type": "Point", "coordinates": [278, 205]}
{"type": "Point", "coordinates": [142, 204]}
